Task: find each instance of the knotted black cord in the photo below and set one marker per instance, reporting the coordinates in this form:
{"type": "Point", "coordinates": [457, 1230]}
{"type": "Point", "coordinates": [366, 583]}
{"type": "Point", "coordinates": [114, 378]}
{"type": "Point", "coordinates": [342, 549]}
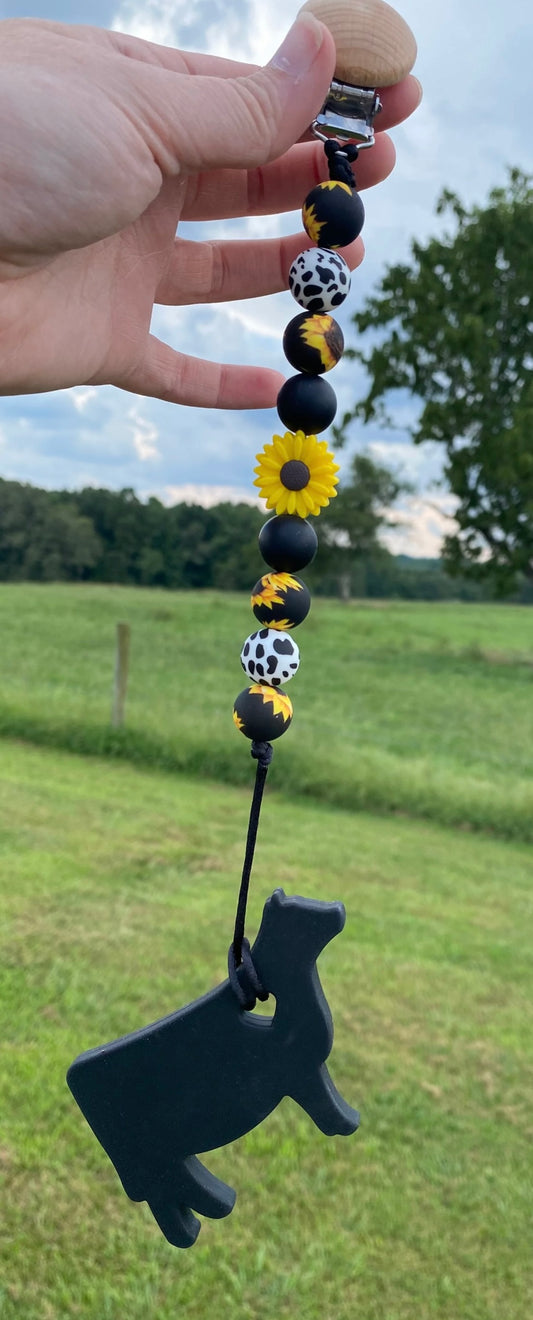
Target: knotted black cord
{"type": "Point", "coordinates": [339, 158]}
{"type": "Point", "coordinates": [242, 974]}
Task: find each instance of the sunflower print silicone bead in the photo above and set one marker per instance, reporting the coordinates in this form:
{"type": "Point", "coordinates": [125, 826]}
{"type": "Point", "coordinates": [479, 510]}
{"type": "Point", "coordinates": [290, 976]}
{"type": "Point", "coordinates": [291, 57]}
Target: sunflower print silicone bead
{"type": "Point", "coordinates": [313, 343]}
{"type": "Point", "coordinates": [333, 214]}
{"type": "Point", "coordinates": [280, 601]}
{"type": "Point", "coordinates": [262, 713]}
{"type": "Point", "coordinates": [296, 474]}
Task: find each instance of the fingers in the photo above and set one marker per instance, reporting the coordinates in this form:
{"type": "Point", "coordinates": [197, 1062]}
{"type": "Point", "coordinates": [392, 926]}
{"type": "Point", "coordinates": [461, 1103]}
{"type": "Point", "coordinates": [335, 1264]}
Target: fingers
{"type": "Point", "coordinates": [307, 42]}
{"type": "Point", "coordinates": [146, 52]}
{"type": "Point", "coordinates": [177, 61]}
{"type": "Point", "coordinates": [398, 102]}
{"type": "Point", "coordinates": [225, 271]}
{"type": "Point", "coordinates": [195, 123]}
{"type": "Point", "coordinates": [175, 378]}
{"type": "Point", "coordinates": [279, 186]}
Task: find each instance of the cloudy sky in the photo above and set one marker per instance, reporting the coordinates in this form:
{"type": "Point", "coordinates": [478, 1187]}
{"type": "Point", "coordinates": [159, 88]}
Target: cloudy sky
{"type": "Point", "coordinates": [475, 63]}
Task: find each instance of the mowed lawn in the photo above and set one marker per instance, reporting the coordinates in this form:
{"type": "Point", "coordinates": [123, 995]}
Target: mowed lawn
{"type": "Point", "coordinates": [424, 709]}
{"type": "Point", "coordinates": [118, 888]}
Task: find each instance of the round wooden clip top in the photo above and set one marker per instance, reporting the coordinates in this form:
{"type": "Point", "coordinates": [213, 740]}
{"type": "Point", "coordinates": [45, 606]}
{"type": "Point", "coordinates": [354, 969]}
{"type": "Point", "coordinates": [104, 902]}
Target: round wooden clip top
{"type": "Point", "coordinates": [375, 47]}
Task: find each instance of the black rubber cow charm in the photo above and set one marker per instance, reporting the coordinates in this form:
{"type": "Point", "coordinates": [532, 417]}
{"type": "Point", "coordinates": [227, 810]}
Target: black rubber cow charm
{"type": "Point", "coordinates": [210, 1072]}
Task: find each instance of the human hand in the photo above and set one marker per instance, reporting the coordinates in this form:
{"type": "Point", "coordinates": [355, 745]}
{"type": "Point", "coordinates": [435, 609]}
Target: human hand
{"type": "Point", "coordinates": [108, 142]}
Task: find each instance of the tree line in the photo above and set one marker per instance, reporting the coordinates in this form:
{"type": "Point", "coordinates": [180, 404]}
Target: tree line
{"type": "Point", "coordinates": [99, 535]}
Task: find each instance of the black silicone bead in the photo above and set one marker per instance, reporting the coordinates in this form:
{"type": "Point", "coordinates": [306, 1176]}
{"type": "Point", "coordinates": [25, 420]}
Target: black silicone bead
{"type": "Point", "coordinates": [281, 601]}
{"type": "Point", "coordinates": [306, 403]}
{"type": "Point", "coordinates": [333, 214]}
{"type": "Point", "coordinates": [288, 543]}
{"type": "Point", "coordinates": [313, 343]}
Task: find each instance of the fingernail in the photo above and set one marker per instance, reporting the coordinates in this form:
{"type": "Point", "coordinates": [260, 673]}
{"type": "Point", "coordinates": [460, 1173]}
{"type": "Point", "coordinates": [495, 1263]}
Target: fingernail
{"type": "Point", "coordinates": [420, 88]}
{"type": "Point", "coordinates": [300, 48]}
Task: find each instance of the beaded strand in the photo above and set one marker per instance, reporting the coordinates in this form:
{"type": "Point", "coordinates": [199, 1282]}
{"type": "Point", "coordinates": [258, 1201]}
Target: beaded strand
{"type": "Point", "coordinates": [296, 476]}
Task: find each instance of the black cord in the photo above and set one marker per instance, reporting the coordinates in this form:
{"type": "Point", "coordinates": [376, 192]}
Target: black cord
{"type": "Point", "coordinates": [340, 157]}
{"type": "Point", "coordinates": [242, 974]}
{"type": "Point", "coordinates": [244, 980]}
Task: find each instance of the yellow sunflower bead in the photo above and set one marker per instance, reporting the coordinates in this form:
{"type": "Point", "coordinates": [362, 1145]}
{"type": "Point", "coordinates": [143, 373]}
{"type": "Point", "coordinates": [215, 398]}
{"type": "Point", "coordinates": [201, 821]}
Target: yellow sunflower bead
{"type": "Point", "coordinates": [296, 474]}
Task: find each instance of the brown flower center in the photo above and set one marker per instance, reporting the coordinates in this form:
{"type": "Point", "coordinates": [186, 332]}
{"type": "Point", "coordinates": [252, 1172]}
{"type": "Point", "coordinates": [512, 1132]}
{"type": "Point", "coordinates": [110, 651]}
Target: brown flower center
{"type": "Point", "coordinates": [294, 474]}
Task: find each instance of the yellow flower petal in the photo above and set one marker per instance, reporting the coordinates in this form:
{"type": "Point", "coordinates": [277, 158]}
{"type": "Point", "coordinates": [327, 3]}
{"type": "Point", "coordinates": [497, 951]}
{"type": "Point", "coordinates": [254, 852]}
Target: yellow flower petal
{"type": "Point", "coordinates": [309, 448]}
{"type": "Point", "coordinates": [322, 473]}
{"type": "Point", "coordinates": [267, 475]}
{"type": "Point", "coordinates": [308, 499]}
{"type": "Point", "coordinates": [281, 449]}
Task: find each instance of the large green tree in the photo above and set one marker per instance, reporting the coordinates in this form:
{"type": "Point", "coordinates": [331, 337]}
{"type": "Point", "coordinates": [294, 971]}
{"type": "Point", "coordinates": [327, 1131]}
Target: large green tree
{"type": "Point", "coordinates": [454, 327]}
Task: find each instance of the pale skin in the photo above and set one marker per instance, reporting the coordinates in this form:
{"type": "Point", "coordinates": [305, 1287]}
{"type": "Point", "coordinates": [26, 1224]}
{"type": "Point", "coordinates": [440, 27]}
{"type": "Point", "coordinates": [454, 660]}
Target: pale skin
{"type": "Point", "coordinates": [107, 143]}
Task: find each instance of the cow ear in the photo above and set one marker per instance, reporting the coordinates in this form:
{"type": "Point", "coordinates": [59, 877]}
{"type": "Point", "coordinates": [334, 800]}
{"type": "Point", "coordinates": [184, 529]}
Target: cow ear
{"type": "Point", "coordinates": [278, 897]}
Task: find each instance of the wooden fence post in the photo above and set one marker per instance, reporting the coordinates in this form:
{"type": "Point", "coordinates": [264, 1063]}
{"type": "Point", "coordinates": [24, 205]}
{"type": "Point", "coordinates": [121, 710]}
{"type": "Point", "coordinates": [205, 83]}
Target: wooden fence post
{"type": "Point", "coordinates": [121, 674]}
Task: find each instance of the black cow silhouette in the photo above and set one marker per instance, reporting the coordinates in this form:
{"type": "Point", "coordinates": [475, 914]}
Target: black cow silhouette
{"type": "Point", "coordinates": [212, 1071]}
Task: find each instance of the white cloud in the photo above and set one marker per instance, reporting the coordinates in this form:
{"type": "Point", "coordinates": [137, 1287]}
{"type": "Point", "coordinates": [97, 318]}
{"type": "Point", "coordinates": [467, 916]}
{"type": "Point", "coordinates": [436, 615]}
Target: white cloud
{"type": "Point", "coordinates": [409, 460]}
{"type": "Point", "coordinates": [81, 396]}
{"type": "Point", "coordinates": [249, 31]}
{"type": "Point", "coordinates": [154, 20]}
{"type": "Point", "coordinates": [422, 524]}
{"type": "Point", "coordinates": [145, 435]}
{"type": "Point", "coordinates": [222, 331]}
{"type": "Point", "coordinates": [206, 495]}
{"type": "Point", "coordinates": [261, 317]}
{"type": "Point", "coordinates": [263, 33]}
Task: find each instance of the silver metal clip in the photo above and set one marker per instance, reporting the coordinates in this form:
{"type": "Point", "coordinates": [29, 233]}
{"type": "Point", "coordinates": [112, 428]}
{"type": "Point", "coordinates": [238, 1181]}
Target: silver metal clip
{"type": "Point", "coordinates": [348, 114]}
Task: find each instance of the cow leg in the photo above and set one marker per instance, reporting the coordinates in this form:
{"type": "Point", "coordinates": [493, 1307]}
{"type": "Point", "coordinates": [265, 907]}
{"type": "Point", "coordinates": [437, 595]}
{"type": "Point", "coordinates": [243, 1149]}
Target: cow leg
{"type": "Point", "coordinates": [177, 1222]}
{"type": "Point", "coordinates": [318, 1095]}
{"type": "Point", "coordinates": [194, 1186]}
{"type": "Point", "coordinates": [205, 1193]}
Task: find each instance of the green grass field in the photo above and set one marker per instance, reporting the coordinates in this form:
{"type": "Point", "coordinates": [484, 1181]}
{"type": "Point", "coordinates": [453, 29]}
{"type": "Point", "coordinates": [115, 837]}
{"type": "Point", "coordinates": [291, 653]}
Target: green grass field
{"type": "Point", "coordinates": [417, 708]}
{"type": "Point", "coordinates": [404, 788]}
{"type": "Point", "coordinates": [119, 888]}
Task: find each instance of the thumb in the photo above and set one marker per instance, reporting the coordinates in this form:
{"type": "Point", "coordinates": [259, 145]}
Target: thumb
{"type": "Point", "coordinates": [244, 122]}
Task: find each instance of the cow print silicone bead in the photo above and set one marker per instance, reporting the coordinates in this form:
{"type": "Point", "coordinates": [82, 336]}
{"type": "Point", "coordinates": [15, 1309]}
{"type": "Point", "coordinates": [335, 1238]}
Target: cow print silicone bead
{"type": "Point", "coordinates": [272, 657]}
{"type": "Point", "coordinates": [319, 280]}
{"type": "Point", "coordinates": [333, 214]}
{"type": "Point", "coordinates": [288, 543]}
{"type": "Point", "coordinates": [280, 601]}
{"type": "Point", "coordinates": [262, 713]}
{"type": "Point", "coordinates": [306, 403]}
